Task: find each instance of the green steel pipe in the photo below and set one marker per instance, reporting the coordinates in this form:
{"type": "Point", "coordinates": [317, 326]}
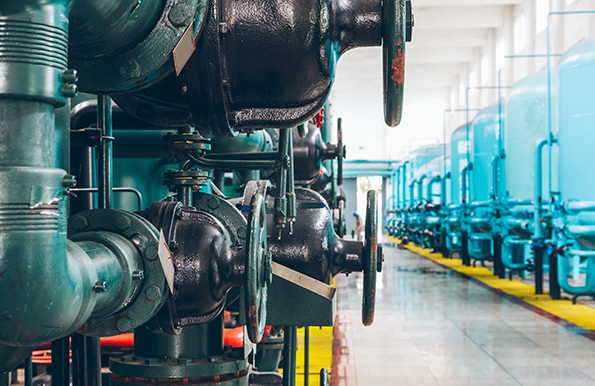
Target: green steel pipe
{"type": "Point", "coordinates": [111, 21]}
{"type": "Point", "coordinates": [126, 143]}
{"type": "Point", "coordinates": [55, 285]}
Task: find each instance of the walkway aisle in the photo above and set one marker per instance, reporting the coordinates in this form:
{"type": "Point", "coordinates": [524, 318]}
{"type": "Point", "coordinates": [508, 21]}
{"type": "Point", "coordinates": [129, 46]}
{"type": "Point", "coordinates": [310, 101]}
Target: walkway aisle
{"type": "Point", "coordinates": [433, 328]}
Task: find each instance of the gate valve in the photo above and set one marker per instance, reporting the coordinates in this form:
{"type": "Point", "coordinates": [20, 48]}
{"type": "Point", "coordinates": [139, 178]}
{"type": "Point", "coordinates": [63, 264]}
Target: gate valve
{"type": "Point", "coordinates": [315, 250]}
{"type": "Point", "coordinates": [211, 241]}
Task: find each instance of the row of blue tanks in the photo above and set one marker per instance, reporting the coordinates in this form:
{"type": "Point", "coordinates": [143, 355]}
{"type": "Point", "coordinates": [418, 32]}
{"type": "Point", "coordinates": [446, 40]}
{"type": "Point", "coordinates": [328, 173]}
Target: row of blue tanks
{"type": "Point", "coordinates": [514, 186]}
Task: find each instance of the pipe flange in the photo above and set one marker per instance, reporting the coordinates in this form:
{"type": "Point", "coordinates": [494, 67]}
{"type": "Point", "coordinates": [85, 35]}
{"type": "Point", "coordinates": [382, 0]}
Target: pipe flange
{"type": "Point", "coordinates": [130, 369]}
{"type": "Point", "coordinates": [153, 289]}
{"type": "Point", "coordinates": [147, 62]}
{"type": "Point", "coordinates": [176, 144]}
{"type": "Point", "coordinates": [194, 178]}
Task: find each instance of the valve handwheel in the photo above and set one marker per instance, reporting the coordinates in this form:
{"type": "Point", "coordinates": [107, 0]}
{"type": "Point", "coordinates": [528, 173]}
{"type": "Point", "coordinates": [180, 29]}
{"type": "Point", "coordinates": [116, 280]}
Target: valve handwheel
{"type": "Point", "coordinates": [370, 260]}
{"type": "Point", "coordinates": [340, 152]}
{"type": "Point", "coordinates": [258, 269]}
{"type": "Point", "coordinates": [394, 36]}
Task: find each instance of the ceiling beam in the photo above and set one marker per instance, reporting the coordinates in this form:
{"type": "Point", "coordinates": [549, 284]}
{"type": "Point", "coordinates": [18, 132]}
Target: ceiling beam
{"type": "Point", "coordinates": [457, 3]}
{"type": "Point", "coordinates": [456, 18]}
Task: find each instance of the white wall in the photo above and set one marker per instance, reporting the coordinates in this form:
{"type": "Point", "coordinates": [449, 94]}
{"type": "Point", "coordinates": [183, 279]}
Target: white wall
{"type": "Point", "coordinates": [426, 97]}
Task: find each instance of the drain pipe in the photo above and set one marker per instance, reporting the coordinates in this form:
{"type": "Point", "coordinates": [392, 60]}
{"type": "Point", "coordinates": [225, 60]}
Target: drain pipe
{"type": "Point", "coordinates": [55, 285]}
{"type": "Point", "coordinates": [429, 193]}
{"type": "Point", "coordinates": [464, 182]}
{"type": "Point", "coordinates": [412, 194]}
{"type": "Point", "coordinates": [443, 192]}
{"type": "Point", "coordinates": [405, 185]}
{"type": "Point", "coordinates": [420, 189]}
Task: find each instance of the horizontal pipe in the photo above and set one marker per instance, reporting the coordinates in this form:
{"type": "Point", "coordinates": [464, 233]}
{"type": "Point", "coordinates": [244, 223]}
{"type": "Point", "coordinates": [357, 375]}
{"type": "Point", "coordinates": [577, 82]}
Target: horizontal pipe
{"type": "Point", "coordinates": [578, 252]}
{"type": "Point", "coordinates": [575, 206]}
{"type": "Point", "coordinates": [575, 231]}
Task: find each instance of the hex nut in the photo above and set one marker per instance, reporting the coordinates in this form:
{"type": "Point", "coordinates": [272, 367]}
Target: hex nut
{"type": "Point", "coordinates": [151, 252]}
{"type": "Point", "coordinates": [178, 16]}
{"type": "Point", "coordinates": [153, 293]}
{"type": "Point", "coordinates": [79, 223]}
{"type": "Point", "coordinates": [122, 222]}
{"type": "Point", "coordinates": [124, 324]}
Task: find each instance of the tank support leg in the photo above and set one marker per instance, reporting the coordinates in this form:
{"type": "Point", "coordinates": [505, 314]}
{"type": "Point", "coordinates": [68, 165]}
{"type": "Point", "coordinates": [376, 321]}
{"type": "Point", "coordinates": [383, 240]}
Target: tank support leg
{"type": "Point", "coordinates": [538, 256]}
{"type": "Point", "coordinates": [554, 285]}
{"type": "Point", "coordinates": [465, 249]}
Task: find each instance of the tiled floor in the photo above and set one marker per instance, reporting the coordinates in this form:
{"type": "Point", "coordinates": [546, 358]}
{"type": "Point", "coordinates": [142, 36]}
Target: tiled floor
{"type": "Point", "coordinates": [434, 328]}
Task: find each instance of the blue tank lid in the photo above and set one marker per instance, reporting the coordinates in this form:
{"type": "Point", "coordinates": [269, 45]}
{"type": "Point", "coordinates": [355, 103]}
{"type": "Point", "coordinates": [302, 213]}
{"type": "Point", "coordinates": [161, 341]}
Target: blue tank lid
{"type": "Point", "coordinates": [583, 54]}
{"type": "Point", "coordinates": [532, 87]}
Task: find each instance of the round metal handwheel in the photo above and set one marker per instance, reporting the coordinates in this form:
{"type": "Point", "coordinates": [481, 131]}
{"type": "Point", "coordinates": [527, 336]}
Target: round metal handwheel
{"type": "Point", "coordinates": [370, 260]}
{"type": "Point", "coordinates": [258, 269]}
{"type": "Point", "coordinates": [393, 54]}
{"type": "Point", "coordinates": [341, 152]}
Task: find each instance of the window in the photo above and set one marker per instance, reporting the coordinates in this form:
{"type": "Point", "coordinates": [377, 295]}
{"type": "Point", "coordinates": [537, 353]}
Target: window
{"type": "Point", "coordinates": [520, 31]}
{"type": "Point", "coordinates": [462, 96]}
{"type": "Point", "coordinates": [485, 69]}
{"type": "Point", "coordinates": [500, 53]}
{"type": "Point", "coordinates": [472, 82]}
{"type": "Point", "coordinates": [542, 9]}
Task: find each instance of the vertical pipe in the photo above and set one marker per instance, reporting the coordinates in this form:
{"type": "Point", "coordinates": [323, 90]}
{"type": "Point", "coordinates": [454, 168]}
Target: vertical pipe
{"type": "Point", "coordinates": [28, 371]}
{"type": "Point", "coordinates": [412, 193]}
{"type": "Point", "coordinates": [405, 184]}
{"type": "Point", "coordinates": [554, 285]}
{"type": "Point", "coordinates": [538, 189]}
{"type": "Point", "coordinates": [499, 269]}
{"type": "Point", "coordinates": [61, 362]}
{"type": "Point", "coordinates": [289, 353]}
{"type": "Point", "coordinates": [306, 356]}
{"type": "Point", "coordinates": [104, 201]}
{"type": "Point", "coordinates": [538, 257]}
{"type": "Point", "coordinates": [420, 189]}
{"type": "Point", "coordinates": [104, 121]}
{"type": "Point", "coordinates": [291, 198]}
{"type": "Point", "coordinates": [465, 249]}
{"type": "Point", "coordinates": [5, 379]}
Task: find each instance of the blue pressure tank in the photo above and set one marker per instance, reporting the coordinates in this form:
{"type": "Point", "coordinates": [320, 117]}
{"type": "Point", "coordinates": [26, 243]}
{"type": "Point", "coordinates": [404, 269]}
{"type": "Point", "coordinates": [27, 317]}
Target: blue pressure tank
{"type": "Point", "coordinates": [430, 170]}
{"type": "Point", "coordinates": [436, 167]}
{"type": "Point", "coordinates": [422, 155]}
{"type": "Point", "coordinates": [526, 116]}
{"type": "Point", "coordinates": [486, 134]}
{"type": "Point", "coordinates": [459, 146]}
{"type": "Point", "coordinates": [576, 74]}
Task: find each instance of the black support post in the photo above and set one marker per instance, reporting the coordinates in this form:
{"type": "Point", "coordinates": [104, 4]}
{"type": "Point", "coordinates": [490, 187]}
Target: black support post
{"type": "Point", "coordinates": [465, 249]}
{"type": "Point", "coordinates": [538, 259]}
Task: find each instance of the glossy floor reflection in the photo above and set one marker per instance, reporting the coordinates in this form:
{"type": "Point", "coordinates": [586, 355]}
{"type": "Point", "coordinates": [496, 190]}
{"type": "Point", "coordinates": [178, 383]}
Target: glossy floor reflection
{"type": "Point", "coordinates": [434, 328]}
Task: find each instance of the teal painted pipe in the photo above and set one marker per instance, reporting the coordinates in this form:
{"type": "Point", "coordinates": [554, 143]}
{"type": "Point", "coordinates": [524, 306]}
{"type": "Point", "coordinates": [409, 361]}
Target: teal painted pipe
{"type": "Point", "coordinates": [420, 189]}
{"type": "Point", "coordinates": [538, 187]}
{"type": "Point", "coordinates": [405, 184]}
{"type": "Point", "coordinates": [464, 182]}
{"type": "Point", "coordinates": [55, 285]}
{"type": "Point", "coordinates": [412, 193]}
{"type": "Point", "coordinates": [443, 189]}
{"type": "Point", "coordinates": [574, 207]}
{"type": "Point", "coordinates": [429, 193]}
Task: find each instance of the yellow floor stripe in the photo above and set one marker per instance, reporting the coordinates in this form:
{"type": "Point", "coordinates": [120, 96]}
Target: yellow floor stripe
{"type": "Point", "coordinates": [579, 314]}
{"type": "Point", "coordinates": [321, 353]}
